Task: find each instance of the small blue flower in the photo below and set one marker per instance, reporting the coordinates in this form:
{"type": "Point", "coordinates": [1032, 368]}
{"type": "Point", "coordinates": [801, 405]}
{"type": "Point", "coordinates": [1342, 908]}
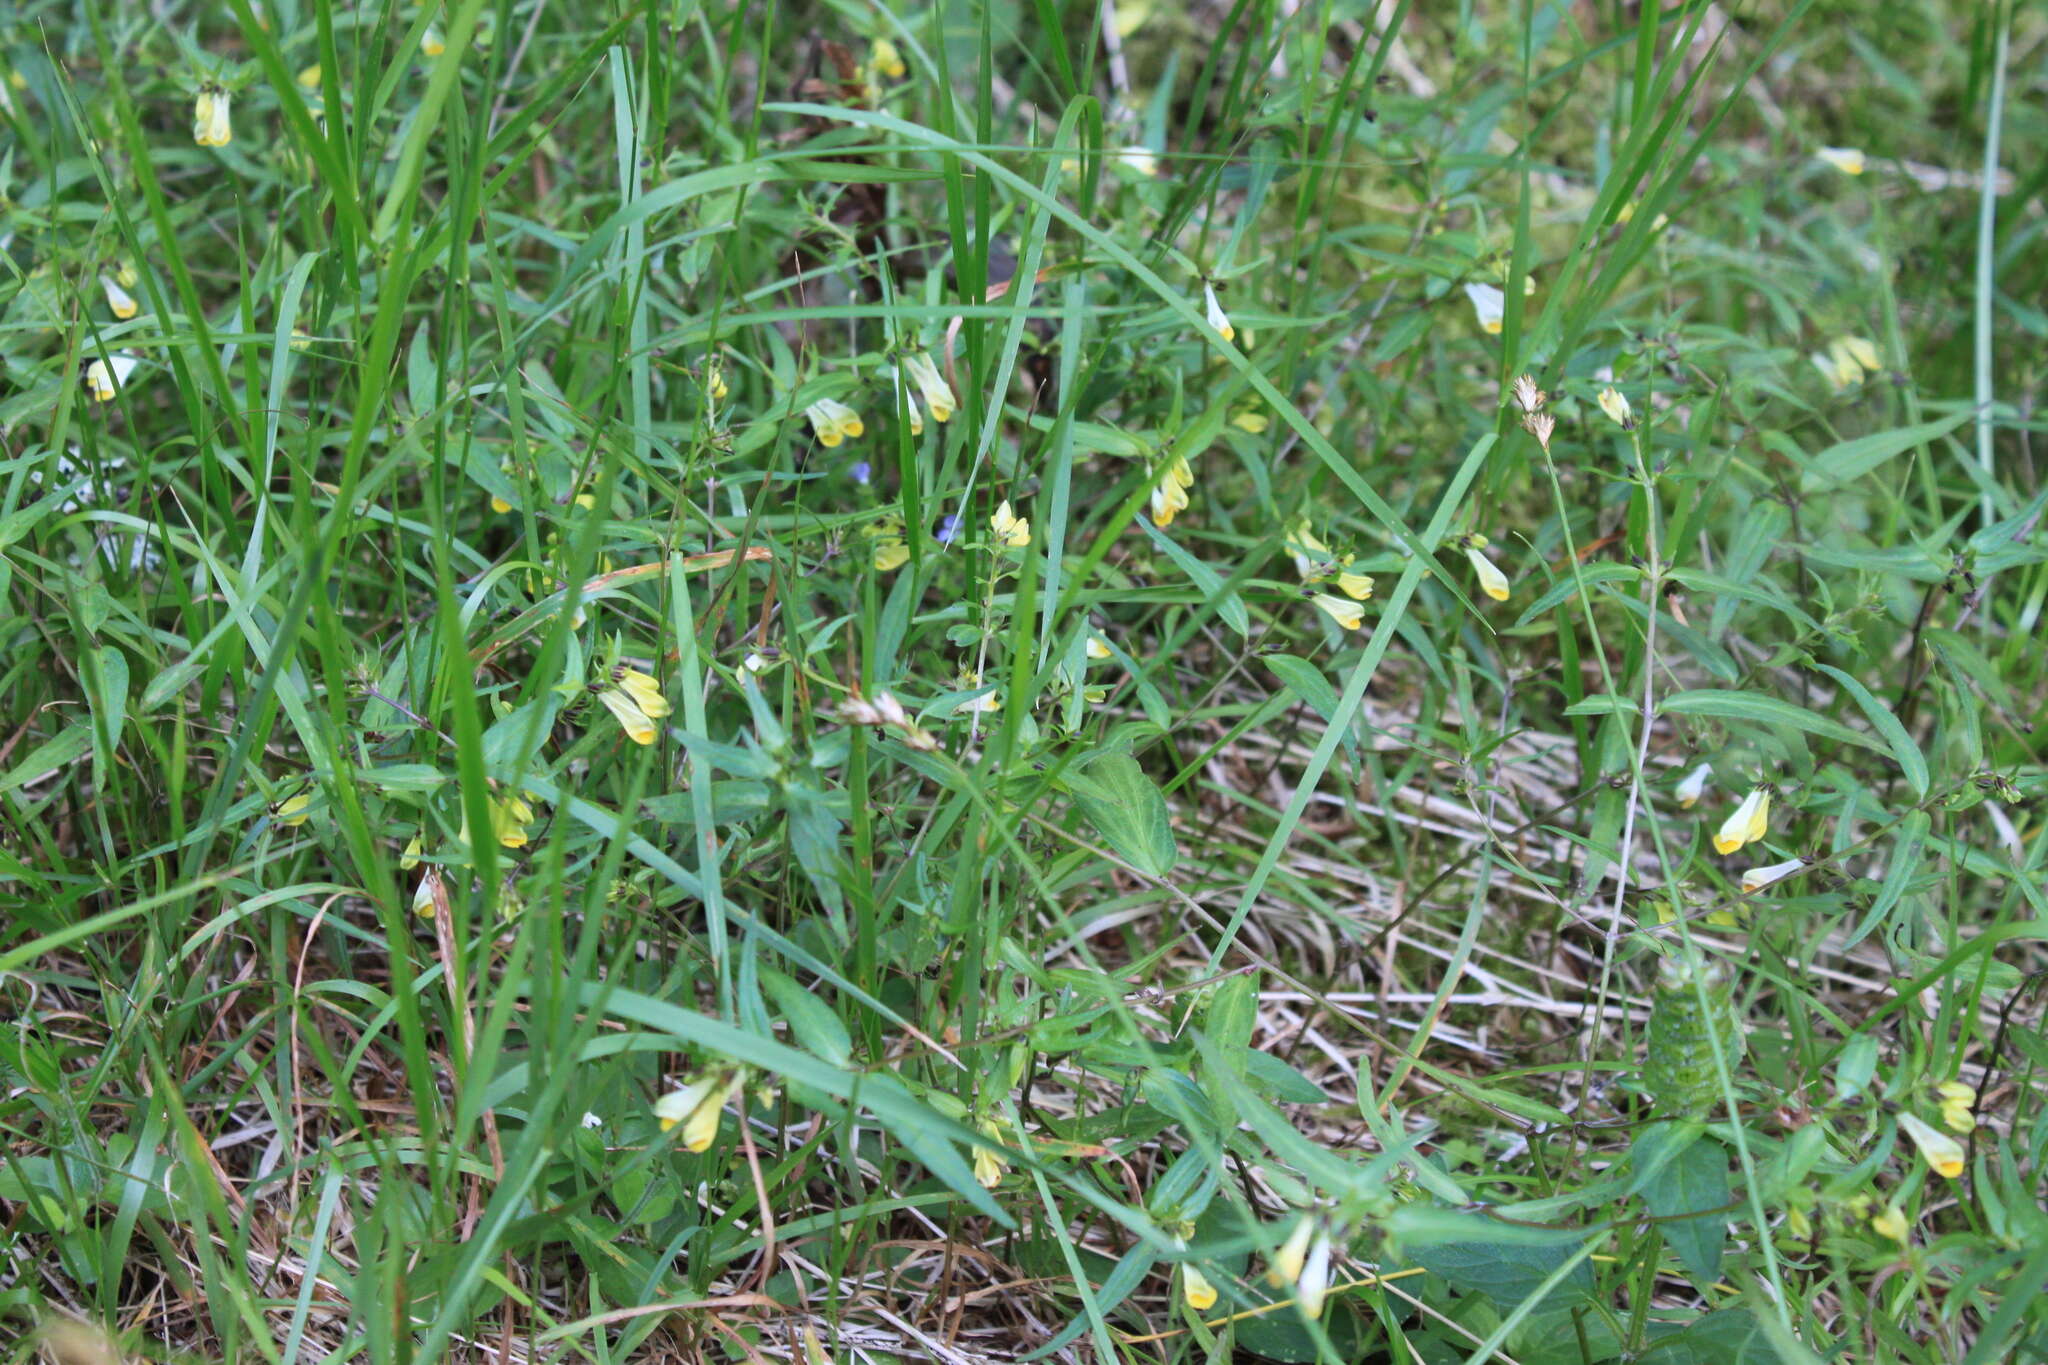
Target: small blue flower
{"type": "Point", "coordinates": [949, 528]}
{"type": "Point", "coordinates": [862, 471]}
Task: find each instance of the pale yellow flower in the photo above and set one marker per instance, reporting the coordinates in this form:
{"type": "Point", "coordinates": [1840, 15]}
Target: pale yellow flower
{"type": "Point", "coordinates": [1847, 160]}
{"type": "Point", "coordinates": [1757, 878]}
{"type": "Point", "coordinates": [1615, 404]}
{"type": "Point", "coordinates": [885, 60]}
{"type": "Point", "coordinates": [1292, 1257]}
{"type": "Point", "coordinates": [1138, 158]}
{"type": "Point", "coordinates": [1489, 305]}
{"type": "Point", "coordinates": [1348, 615]}
{"type": "Point", "coordinates": [1098, 648]}
{"type": "Point", "coordinates": [1748, 823]}
{"type": "Point", "coordinates": [309, 77]}
{"type": "Point", "coordinates": [119, 301]}
{"type": "Point", "coordinates": [1892, 1223]}
{"type": "Point", "coordinates": [1693, 786]}
{"type": "Point", "coordinates": [423, 894]}
{"type": "Point", "coordinates": [989, 1163]}
{"type": "Point", "coordinates": [410, 859]}
{"type": "Point", "coordinates": [1314, 1285]}
{"type": "Point", "coordinates": [1196, 1289]}
{"type": "Point", "coordinates": [891, 553]}
{"type": "Point", "coordinates": [1012, 531]}
{"type": "Point", "coordinates": [294, 811]}
{"type": "Point", "coordinates": [211, 126]}
{"type": "Point", "coordinates": [432, 43]}
{"type": "Point", "coordinates": [1492, 581]}
{"type": "Point", "coordinates": [510, 816]}
{"type": "Point", "coordinates": [625, 708]}
{"type": "Point", "coordinates": [1251, 420]}
{"type": "Point", "coordinates": [697, 1107]}
{"type": "Point", "coordinates": [105, 378]}
{"type": "Point", "coordinates": [1217, 319]}
{"type": "Point", "coordinates": [931, 385]}
{"type": "Point", "coordinates": [834, 422]}
{"type": "Point", "coordinates": [1356, 585]}
{"type": "Point", "coordinates": [645, 691]}
{"type": "Point", "coordinates": [1940, 1151]}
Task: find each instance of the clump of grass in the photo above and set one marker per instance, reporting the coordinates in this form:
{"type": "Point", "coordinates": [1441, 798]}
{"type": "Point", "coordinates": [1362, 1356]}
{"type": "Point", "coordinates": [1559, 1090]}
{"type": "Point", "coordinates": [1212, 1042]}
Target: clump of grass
{"type": "Point", "coordinates": [992, 684]}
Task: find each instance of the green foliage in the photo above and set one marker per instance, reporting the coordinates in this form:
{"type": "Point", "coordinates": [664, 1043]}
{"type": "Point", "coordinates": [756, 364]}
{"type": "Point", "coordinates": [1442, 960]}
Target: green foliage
{"type": "Point", "coordinates": [725, 681]}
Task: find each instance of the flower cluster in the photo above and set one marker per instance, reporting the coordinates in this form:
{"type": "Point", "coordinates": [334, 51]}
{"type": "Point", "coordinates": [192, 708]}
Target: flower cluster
{"type": "Point", "coordinates": [210, 124]}
{"type": "Point", "coordinates": [1170, 493]}
{"type": "Point", "coordinates": [1303, 1261]}
{"type": "Point", "coordinates": [1847, 361]}
{"type": "Point", "coordinates": [635, 701]}
{"type": "Point", "coordinates": [1958, 1106]}
{"type": "Point", "coordinates": [697, 1107]}
{"type": "Point", "coordinates": [1012, 531]}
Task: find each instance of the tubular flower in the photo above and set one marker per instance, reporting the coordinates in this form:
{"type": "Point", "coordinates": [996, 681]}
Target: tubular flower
{"type": "Point", "coordinates": [714, 380]}
{"type": "Point", "coordinates": [1097, 647]}
{"type": "Point", "coordinates": [625, 708]}
{"type": "Point", "coordinates": [410, 859]}
{"type": "Point", "coordinates": [1489, 305]}
{"type": "Point", "coordinates": [1940, 1151]}
{"type": "Point", "coordinates": [293, 811]}
{"type": "Point", "coordinates": [931, 385]}
{"type": "Point", "coordinates": [885, 60]}
{"type": "Point", "coordinates": [210, 124]}
{"type": "Point", "coordinates": [309, 77]}
{"type": "Point", "coordinates": [119, 301]}
{"type": "Point", "coordinates": [1847, 361]}
{"type": "Point", "coordinates": [1492, 581]}
{"type": "Point", "coordinates": [1615, 404]}
{"type": "Point", "coordinates": [1196, 1289]}
{"type": "Point", "coordinates": [1289, 1261]}
{"type": "Point", "coordinates": [970, 680]}
{"type": "Point", "coordinates": [1012, 531]}
{"type": "Point", "coordinates": [1217, 319]}
{"type": "Point", "coordinates": [645, 691]}
{"type": "Point", "coordinates": [1757, 878]}
{"type": "Point", "coordinates": [1314, 1285]}
{"type": "Point", "coordinates": [1169, 500]}
{"type": "Point", "coordinates": [1892, 1223]}
{"type": "Point", "coordinates": [834, 422]}
{"type": "Point", "coordinates": [698, 1106]}
{"type": "Point", "coordinates": [1348, 615]}
{"type": "Point", "coordinates": [1356, 585]}
{"type": "Point", "coordinates": [1958, 1101]}
{"type": "Point", "coordinates": [989, 1164]}
{"type": "Point", "coordinates": [891, 553]}
{"type": "Point", "coordinates": [916, 422]}
{"type": "Point", "coordinates": [510, 816]}
{"type": "Point", "coordinates": [432, 44]}
{"type": "Point", "coordinates": [1693, 786]}
{"type": "Point", "coordinates": [104, 378]}
{"type": "Point", "coordinates": [1847, 160]}
{"type": "Point", "coordinates": [423, 895]}
{"type": "Point", "coordinates": [1749, 822]}
{"type": "Point", "coordinates": [1251, 420]}
{"type": "Point", "coordinates": [1311, 557]}
{"type": "Point", "coordinates": [1861, 350]}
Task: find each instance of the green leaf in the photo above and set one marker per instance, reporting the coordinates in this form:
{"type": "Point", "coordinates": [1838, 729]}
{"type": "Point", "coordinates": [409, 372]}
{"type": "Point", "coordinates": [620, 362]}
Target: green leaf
{"type": "Point", "coordinates": [1127, 809]}
{"type": "Point", "coordinates": [1683, 1173]}
{"type": "Point", "coordinates": [60, 752]}
{"type": "Point", "coordinates": [1505, 1268]}
{"type": "Point", "coordinates": [1309, 683]}
{"type": "Point", "coordinates": [1729, 1336]}
{"type": "Point", "coordinates": [1229, 606]}
{"type": "Point", "coordinates": [811, 1021]}
{"type": "Point", "coordinates": [1761, 710]}
{"type": "Point", "coordinates": [1851, 460]}
{"type": "Point", "coordinates": [1911, 761]}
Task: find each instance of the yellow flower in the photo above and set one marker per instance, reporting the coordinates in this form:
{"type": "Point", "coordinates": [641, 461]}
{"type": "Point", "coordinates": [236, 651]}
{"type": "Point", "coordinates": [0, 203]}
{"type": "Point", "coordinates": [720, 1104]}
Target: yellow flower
{"type": "Point", "coordinates": [1758, 878]}
{"type": "Point", "coordinates": [510, 816]}
{"type": "Point", "coordinates": [1347, 615]}
{"type": "Point", "coordinates": [1958, 1117]}
{"type": "Point", "coordinates": [210, 124]}
{"type": "Point", "coordinates": [1940, 1151]}
{"type": "Point", "coordinates": [423, 894]}
{"type": "Point", "coordinates": [1749, 822]}
{"type": "Point", "coordinates": [714, 380]}
{"type": "Point", "coordinates": [499, 505]}
{"type": "Point", "coordinates": [1615, 404]}
{"type": "Point", "coordinates": [431, 42]}
{"type": "Point", "coordinates": [1492, 581]}
{"type": "Point", "coordinates": [294, 811]}
{"type": "Point", "coordinates": [1169, 500]}
{"type": "Point", "coordinates": [1693, 786]}
{"type": "Point", "coordinates": [1196, 1289]}
{"type": "Point", "coordinates": [1955, 1092]}
{"type": "Point", "coordinates": [1847, 160]}
{"type": "Point", "coordinates": [119, 300]}
{"type": "Point", "coordinates": [1139, 158]}
{"type": "Point", "coordinates": [645, 691]}
{"type": "Point", "coordinates": [698, 1106]}
{"type": "Point", "coordinates": [1012, 531]}
{"type": "Point", "coordinates": [1489, 305]}
{"type": "Point", "coordinates": [1097, 648]}
{"type": "Point", "coordinates": [1250, 420]}
{"type": "Point", "coordinates": [1311, 556]}
{"type": "Point", "coordinates": [885, 60]}
{"type": "Point", "coordinates": [1860, 350]}
{"type": "Point", "coordinates": [1216, 315]}
{"type": "Point", "coordinates": [1292, 1256]}
{"type": "Point", "coordinates": [104, 378]}
{"type": "Point", "coordinates": [937, 394]}
{"type": "Point", "coordinates": [834, 422]}
{"type": "Point", "coordinates": [410, 859]}
{"type": "Point", "coordinates": [891, 554]}
{"type": "Point", "coordinates": [1892, 1223]}
{"type": "Point", "coordinates": [1847, 361]}
{"type": "Point", "coordinates": [625, 708]}
{"type": "Point", "coordinates": [989, 1163]}
{"type": "Point", "coordinates": [1356, 585]}
{"type": "Point", "coordinates": [309, 77]}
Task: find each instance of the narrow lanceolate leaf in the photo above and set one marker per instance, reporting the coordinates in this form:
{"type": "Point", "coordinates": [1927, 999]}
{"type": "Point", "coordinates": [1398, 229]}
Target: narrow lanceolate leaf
{"type": "Point", "coordinates": [1911, 761]}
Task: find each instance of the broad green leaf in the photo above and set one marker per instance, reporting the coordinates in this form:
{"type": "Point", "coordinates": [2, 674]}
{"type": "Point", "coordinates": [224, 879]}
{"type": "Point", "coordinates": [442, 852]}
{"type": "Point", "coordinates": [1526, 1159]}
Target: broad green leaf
{"type": "Point", "coordinates": [1309, 683]}
{"type": "Point", "coordinates": [1761, 710]}
{"type": "Point", "coordinates": [1685, 1173]}
{"type": "Point", "coordinates": [1127, 809]}
{"type": "Point", "coordinates": [1911, 761]}
{"type": "Point", "coordinates": [1728, 1336]}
